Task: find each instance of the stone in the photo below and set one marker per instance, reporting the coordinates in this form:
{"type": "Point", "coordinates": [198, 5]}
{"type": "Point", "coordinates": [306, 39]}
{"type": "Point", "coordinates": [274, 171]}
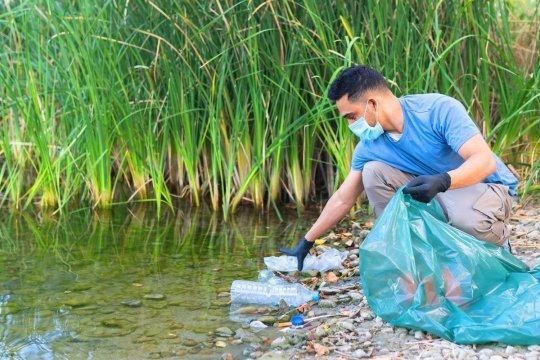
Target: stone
{"type": "Point", "coordinates": [256, 354]}
{"type": "Point", "coordinates": [227, 356]}
{"type": "Point", "coordinates": [496, 357]}
{"type": "Point", "coordinates": [327, 303]}
{"type": "Point", "coordinates": [347, 325]}
{"type": "Point", "coordinates": [132, 303]}
{"type": "Point", "coordinates": [509, 350]}
{"type": "Point", "coordinates": [154, 296]}
{"type": "Point", "coordinates": [221, 344]}
{"type": "Point", "coordinates": [359, 354]}
{"type": "Point", "coordinates": [418, 335]}
{"type": "Point", "coordinates": [267, 319]}
{"type": "Point", "coordinates": [278, 342]}
{"type": "Point", "coordinates": [485, 354]}
{"type": "Point", "coordinates": [224, 331]}
{"type": "Point", "coordinates": [343, 298]}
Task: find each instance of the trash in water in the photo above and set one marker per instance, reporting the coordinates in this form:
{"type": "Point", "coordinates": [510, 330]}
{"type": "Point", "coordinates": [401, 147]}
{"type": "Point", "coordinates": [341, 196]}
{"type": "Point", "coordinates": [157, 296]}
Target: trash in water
{"type": "Point", "coordinates": [252, 292]}
{"type": "Point", "coordinates": [268, 276]}
{"type": "Point", "coordinates": [329, 260]}
{"type": "Point", "coordinates": [419, 272]}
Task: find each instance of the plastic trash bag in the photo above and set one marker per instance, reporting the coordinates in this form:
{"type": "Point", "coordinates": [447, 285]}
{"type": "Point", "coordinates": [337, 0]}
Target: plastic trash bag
{"type": "Point", "coordinates": [329, 260]}
{"type": "Point", "coordinates": [419, 272]}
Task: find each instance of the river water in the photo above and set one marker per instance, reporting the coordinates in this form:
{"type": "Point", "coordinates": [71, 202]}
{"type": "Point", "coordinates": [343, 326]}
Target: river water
{"type": "Point", "coordinates": [126, 282]}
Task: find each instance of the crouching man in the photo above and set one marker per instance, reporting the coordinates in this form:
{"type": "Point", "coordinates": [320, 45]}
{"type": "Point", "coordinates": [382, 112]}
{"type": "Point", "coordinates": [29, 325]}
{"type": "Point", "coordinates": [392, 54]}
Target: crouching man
{"type": "Point", "coordinates": [426, 142]}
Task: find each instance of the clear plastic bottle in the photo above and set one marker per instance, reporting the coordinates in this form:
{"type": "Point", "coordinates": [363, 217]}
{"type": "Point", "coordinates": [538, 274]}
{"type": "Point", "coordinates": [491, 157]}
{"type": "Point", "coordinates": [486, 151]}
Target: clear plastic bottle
{"type": "Point", "coordinates": [268, 276]}
{"type": "Point", "coordinates": [252, 292]}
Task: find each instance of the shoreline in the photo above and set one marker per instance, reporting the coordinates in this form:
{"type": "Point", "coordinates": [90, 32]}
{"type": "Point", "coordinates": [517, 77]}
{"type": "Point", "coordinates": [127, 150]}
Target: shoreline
{"type": "Point", "coordinates": [344, 327]}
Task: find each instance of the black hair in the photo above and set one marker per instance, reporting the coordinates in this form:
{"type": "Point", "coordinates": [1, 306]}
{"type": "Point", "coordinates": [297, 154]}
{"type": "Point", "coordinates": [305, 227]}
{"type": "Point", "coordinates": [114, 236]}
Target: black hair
{"type": "Point", "coordinates": [355, 81]}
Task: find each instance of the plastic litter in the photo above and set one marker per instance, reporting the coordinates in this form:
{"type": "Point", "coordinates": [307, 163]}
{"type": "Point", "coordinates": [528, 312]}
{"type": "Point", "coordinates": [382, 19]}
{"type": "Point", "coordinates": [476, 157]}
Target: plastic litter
{"type": "Point", "coordinates": [268, 276]}
{"type": "Point", "coordinates": [297, 320]}
{"type": "Point", "coordinates": [252, 292]}
{"type": "Point", "coordinates": [419, 272]}
{"type": "Point", "coordinates": [329, 260]}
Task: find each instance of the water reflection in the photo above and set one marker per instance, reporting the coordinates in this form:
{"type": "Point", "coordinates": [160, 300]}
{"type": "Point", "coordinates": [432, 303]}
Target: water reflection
{"type": "Point", "coordinates": [90, 285]}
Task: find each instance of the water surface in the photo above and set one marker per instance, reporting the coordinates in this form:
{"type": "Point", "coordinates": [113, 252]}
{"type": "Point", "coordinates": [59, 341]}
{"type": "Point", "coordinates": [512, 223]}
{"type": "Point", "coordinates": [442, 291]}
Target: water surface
{"type": "Point", "coordinates": [127, 283]}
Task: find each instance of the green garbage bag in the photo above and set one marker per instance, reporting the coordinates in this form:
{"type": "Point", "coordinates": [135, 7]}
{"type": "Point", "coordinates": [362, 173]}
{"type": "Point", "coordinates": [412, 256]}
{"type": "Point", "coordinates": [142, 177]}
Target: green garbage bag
{"type": "Point", "coordinates": [419, 272]}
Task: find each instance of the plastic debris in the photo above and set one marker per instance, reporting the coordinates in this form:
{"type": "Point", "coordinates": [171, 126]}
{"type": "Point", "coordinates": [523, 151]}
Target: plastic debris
{"type": "Point", "coordinates": [329, 260]}
{"type": "Point", "coordinates": [252, 292]}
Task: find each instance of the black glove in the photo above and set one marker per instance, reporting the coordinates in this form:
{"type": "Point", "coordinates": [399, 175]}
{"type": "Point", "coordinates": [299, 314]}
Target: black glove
{"type": "Point", "coordinates": [300, 251]}
{"type": "Point", "coordinates": [424, 187]}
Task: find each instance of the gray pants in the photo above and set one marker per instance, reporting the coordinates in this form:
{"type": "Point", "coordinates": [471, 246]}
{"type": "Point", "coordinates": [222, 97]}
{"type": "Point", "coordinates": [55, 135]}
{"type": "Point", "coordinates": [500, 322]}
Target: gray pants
{"type": "Point", "coordinates": [482, 210]}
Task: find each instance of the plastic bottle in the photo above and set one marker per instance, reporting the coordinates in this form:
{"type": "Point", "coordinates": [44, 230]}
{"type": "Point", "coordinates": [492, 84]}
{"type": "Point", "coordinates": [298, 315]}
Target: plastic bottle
{"type": "Point", "coordinates": [268, 276]}
{"type": "Point", "coordinates": [252, 292]}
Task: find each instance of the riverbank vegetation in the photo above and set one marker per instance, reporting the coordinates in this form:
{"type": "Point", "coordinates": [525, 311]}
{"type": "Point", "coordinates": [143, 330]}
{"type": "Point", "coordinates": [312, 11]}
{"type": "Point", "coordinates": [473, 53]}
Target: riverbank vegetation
{"type": "Point", "coordinates": [106, 102]}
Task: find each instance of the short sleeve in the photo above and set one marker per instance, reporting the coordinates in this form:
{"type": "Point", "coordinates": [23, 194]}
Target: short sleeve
{"type": "Point", "coordinates": [358, 160]}
{"type": "Point", "coordinates": [454, 123]}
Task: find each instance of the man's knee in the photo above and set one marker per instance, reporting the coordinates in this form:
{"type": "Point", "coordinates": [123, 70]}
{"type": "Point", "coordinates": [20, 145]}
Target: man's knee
{"type": "Point", "coordinates": [481, 210]}
{"type": "Point", "coordinates": [486, 229]}
{"type": "Point", "coordinates": [373, 174]}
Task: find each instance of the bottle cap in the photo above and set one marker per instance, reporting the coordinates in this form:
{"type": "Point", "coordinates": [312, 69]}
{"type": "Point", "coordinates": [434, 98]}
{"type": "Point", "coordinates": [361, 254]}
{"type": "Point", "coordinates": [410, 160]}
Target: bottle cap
{"type": "Point", "coordinates": [297, 320]}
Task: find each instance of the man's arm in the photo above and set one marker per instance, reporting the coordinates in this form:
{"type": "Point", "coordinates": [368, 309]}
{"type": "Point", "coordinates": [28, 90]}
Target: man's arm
{"type": "Point", "coordinates": [335, 209]}
{"type": "Point", "coordinates": [479, 163]}
{"type": "Point", "coordinates": [338, 205]}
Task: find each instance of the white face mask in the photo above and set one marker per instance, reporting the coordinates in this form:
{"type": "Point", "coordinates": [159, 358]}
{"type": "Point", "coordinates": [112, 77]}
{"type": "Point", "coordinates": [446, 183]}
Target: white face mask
{"type": "Point", "coordinates": [362, 129]}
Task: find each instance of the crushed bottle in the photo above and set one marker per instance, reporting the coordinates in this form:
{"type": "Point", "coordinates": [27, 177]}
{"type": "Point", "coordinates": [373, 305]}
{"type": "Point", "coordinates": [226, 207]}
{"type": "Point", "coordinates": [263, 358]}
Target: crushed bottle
{"type": "Point", "coordinates": [331, 259]}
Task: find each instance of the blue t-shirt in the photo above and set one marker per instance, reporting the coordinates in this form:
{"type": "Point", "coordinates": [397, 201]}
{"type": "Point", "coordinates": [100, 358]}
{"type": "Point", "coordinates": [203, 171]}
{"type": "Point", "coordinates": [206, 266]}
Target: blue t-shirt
{"type": "Point", "coordinates": [435, 126]}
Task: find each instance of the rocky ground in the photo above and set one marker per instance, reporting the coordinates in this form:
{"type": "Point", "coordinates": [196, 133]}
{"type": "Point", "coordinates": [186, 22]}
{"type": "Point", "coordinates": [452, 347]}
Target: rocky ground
{"type": "Point", "coordinates": [344, 327]}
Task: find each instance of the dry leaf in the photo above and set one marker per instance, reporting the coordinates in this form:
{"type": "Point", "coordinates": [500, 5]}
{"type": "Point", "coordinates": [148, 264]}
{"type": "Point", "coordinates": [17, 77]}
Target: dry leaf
{"type": "Point", "coordinates": [320, 349]}
{"type": "Point", "coordinates": [331, 277]}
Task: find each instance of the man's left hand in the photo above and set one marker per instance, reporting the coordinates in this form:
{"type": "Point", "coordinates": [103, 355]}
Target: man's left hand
{"type": "Point", "coordinates": [424, 187]}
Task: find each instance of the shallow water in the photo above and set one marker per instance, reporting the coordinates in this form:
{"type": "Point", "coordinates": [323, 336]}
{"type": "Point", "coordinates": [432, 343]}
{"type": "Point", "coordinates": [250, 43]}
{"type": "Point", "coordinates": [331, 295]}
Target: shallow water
{"type": "Point", "coordinates": [64, 280]}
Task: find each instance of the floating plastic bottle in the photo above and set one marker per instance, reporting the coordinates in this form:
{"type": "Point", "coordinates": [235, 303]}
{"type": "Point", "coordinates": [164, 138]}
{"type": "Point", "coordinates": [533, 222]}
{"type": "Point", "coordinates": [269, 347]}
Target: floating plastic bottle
{"type": "Point", "coordinates": [252, 292]}
{"type": "Point", "coordinates": [329, 260]}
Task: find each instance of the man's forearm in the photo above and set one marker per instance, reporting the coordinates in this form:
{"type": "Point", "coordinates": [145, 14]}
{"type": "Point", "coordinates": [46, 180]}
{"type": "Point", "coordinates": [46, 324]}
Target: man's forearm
{"type": "Point", "coordinates": [334, 210]}
{"type": "Point", "coordinates": [475, 169]}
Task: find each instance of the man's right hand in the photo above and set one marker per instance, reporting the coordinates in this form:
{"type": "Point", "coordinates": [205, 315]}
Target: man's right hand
{"type": "Point", "coordinates": [300, 251]}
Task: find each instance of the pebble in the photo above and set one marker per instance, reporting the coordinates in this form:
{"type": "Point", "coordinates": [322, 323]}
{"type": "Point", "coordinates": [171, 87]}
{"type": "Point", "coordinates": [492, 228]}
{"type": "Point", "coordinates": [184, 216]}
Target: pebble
{"type": "Point", "coordinates": [267, 319]}
{"type": "Point", "coordinates": [224, 331]}
{"type": "Point", "coordinates": [256, 354]}
{"type": "Point", "coordinates": [509, 350]}
{"type": "Point", "coordinates": [227, 356]}
{"type": "Point", "coordinates": [496, 357]}
{"type": "Point", "coordinates": [154, 296]}
{"type": "Point", "coordinates": [359, 354]}
{"type": "Point", "coordinates": [347, 325]}
{"type": "Point", "coordinates": [221, 344]}
{"type": "Point", "coordinates": [278, 342]}
{"type": "Point", "coordinates": [418, 335]}
{"type": "Point", "coordinates": [327, 303]}
{"type": "Point", "coordinates": [366, 315]}
{"type": "Point", "coordinates": [132, 303]}
{"type": "Point", "coordinates": [485, 354]}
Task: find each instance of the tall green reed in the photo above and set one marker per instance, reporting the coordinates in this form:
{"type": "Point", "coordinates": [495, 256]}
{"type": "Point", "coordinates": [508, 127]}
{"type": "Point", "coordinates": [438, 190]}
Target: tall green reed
{"type": "Point", "coordinates": [147, 100]}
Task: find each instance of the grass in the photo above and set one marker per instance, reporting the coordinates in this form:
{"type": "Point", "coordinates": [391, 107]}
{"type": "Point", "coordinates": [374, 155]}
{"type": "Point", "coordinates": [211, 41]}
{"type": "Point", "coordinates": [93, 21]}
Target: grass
{"type": "Point", "coordinates": [110, 102]}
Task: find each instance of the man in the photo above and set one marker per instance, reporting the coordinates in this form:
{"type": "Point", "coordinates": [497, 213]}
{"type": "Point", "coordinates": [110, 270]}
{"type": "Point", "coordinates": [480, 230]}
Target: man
{"type": "Point", "coordinates": [427, 142]}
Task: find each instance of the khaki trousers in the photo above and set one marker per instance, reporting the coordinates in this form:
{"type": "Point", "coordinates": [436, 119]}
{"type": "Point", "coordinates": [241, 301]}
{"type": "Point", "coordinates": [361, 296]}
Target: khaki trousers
{"type": "Point", "coordinates": [481, 210]}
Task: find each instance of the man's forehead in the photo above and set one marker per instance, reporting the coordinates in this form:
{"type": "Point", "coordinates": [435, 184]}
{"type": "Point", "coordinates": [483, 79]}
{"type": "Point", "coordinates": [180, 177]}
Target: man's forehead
{"type": "Point", "coordinates": [345, 107]}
